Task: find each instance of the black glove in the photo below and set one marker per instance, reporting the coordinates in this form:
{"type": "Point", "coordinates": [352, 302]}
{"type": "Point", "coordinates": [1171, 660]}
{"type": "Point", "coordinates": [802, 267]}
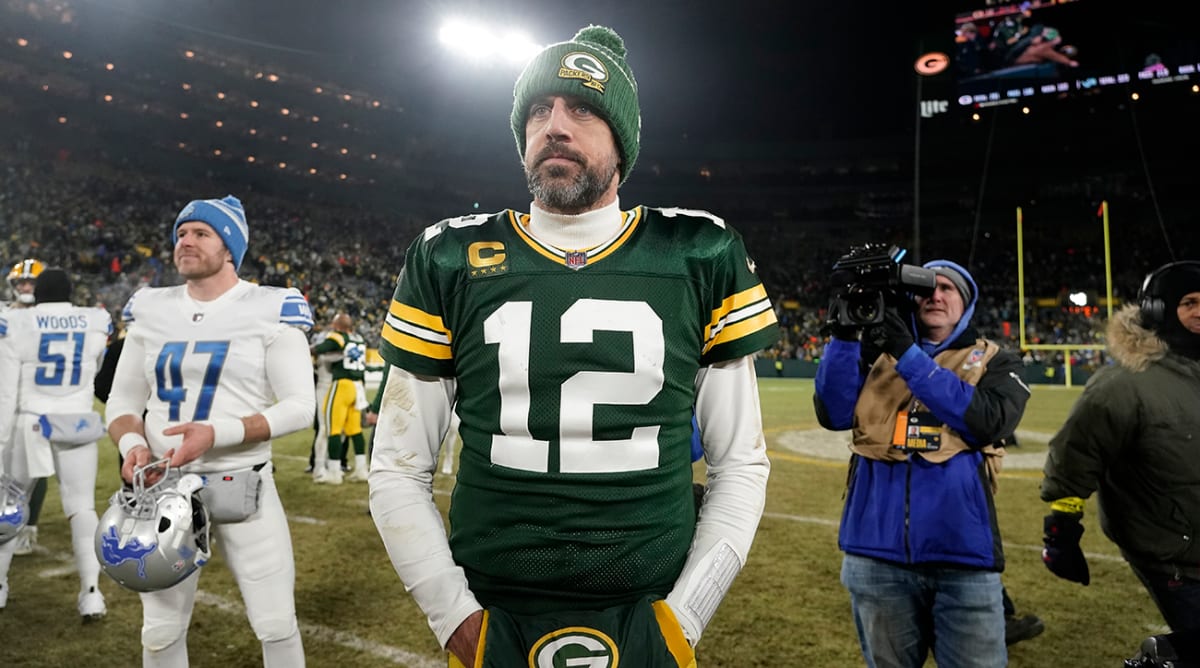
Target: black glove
{"type": "Point", "coordinates": [845, 332]}
{"type": "Point", "coordinates": [1062, 554]}
{"type": "Point", "coordinates": [892, 336]}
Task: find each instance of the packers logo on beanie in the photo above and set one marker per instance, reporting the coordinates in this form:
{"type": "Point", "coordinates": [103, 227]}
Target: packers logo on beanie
{"type": "Point", "coordinates": [591, 66]}
{"type": "Point", "coordinates": [226, 216]}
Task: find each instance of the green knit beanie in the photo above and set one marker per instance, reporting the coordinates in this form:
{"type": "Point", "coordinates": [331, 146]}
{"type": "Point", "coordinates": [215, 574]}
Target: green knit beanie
{"type": "Point", "coordinates": [591, 66]}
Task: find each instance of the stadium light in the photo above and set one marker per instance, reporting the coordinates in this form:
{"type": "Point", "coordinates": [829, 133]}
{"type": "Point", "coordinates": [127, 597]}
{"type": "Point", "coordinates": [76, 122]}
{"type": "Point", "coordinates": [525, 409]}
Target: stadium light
{"type": "Point", "coordinates": [1078, 298]}
{"type": "Point", "coordinates": [476, 42]}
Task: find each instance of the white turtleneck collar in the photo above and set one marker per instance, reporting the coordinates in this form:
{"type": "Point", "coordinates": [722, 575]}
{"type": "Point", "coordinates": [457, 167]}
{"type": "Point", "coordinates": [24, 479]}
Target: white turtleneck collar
{"type": "Point", "coordinates": [579, 232]}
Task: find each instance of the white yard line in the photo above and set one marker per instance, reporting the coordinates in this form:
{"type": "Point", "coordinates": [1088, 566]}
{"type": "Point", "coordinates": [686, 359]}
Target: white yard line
{"type": "Point", "coordinates": [388, 653]}
{"type": "Point", "coordinates": [395, 655]}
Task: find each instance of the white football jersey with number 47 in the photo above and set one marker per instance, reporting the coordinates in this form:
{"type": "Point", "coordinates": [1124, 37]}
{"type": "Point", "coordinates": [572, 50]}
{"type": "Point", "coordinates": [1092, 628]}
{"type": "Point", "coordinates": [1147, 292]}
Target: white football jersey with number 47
{"type": "Point", "coordinates": [207, 360]}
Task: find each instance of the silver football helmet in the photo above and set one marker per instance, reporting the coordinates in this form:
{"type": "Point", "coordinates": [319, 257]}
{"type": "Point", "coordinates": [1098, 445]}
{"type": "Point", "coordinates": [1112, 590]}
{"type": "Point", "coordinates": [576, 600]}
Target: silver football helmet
{"type": "Point", "coordinates": [151, 538]}
{"type": "Point", "coordinates": [14, 509]}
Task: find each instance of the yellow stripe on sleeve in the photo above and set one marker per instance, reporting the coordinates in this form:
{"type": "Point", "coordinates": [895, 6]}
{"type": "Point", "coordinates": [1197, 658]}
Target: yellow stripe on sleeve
{"type": "Point", "coordinates": [414, 345]}
{"type": "Point", "coordinates": [734, 302]}
{"type": "Point", "coordinates": [418, 317]}
{"type": "Point", "coordinates": [742, 328]}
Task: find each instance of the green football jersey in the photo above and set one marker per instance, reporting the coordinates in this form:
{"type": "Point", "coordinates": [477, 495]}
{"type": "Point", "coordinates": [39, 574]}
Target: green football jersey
{"type": "Point", "coordinates": [576, 383]}
{"type": "Point", "coordinates": [353, 364]}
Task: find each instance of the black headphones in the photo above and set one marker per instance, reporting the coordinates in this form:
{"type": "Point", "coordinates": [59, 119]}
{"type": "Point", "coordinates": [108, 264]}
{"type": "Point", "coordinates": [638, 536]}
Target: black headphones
{"type": "Point", "coordinates": [1150, 299]}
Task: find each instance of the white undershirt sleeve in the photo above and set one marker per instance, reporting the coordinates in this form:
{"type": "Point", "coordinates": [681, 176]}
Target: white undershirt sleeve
{"type": "Point", "coordinates": [130, 391]}
{"type": "Point", "coordinates": [735, 450]}
{"type": "Point", "coordinates": [413, 417]}
{"type": "Point", "coordinates": [289, 373]}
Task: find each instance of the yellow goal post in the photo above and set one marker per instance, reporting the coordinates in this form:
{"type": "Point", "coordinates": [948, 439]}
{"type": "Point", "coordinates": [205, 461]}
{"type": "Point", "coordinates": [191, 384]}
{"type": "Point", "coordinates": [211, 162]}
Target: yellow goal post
{"type": "Point", "coordinates": [1066, 347]}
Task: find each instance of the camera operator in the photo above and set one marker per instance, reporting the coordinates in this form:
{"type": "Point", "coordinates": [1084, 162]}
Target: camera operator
{"type": "Point", "coordinates": [922, 547]}
{"type": "Point", "coordinates": [1132, 436]}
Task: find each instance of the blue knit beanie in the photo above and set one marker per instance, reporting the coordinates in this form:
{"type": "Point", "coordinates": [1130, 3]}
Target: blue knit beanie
{"type": "Point", "coordinates": [226, 216]}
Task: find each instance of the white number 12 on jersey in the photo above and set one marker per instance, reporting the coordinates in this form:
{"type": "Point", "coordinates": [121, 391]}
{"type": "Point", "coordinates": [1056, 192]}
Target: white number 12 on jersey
{"type": "Point", "coordinates": [510, 326]}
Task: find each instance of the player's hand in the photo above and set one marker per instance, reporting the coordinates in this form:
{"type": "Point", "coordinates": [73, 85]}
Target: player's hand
{"type": "Point", "coordinates": [1062, 554]}
{"type": "Point", "coordinates": [197, 439]}
{"type": "Point", "coordinates": [372, 418]}
{"type": "Point", "coordinates": [464, 642]}
{"type": "Point", "coordinates": [138, 457]}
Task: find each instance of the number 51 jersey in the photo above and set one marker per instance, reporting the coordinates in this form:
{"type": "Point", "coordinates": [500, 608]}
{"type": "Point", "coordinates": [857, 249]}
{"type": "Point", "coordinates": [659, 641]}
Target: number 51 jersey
{"type": "Point", "coordinates": [207, 360]}
{"type": "Point", "coordinates": [59, 347]}
{"type": "Point", "coordinates": [576, 375]}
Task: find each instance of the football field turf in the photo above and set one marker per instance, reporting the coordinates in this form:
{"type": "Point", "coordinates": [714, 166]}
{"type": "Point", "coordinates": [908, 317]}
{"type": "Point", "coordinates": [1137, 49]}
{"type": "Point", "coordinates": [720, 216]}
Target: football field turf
{"type": "Point", "coordinates": [787, 608]}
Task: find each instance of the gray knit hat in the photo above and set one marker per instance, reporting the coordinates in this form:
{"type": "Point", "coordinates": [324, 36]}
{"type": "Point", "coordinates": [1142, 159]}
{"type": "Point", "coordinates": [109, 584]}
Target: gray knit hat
{"type": "Point", "coordinates": [955, 274]}
{"type": "Point", "coordinates": [591, 66]}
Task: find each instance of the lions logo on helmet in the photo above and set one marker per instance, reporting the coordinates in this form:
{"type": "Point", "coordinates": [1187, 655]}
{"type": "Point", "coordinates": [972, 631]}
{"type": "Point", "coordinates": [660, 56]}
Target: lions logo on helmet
{"type": "Point", "coordinates": [25, 270]}
{"type": "Point", "coordinates": [151, 538]}
{"type": "Point", "coordinates": [14, 509]}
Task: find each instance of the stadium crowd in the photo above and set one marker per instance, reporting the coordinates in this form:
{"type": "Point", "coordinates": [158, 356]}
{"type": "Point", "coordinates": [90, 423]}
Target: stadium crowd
{"type": "Point", "coordinates": [105, 227]}
{"type": "Point", "coordinates": [798, 215]}
{"type": "Point", "coordinates": [107, 230]}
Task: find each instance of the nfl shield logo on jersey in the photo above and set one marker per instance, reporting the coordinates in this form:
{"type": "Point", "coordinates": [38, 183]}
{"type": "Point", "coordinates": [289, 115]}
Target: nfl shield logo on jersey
{"type": "Point", "coordinates": [576, 259]}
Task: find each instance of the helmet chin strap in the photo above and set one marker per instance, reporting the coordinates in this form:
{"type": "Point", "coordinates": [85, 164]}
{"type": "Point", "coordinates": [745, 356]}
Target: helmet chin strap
{"type": "Point", "coordinates": [25, 297]}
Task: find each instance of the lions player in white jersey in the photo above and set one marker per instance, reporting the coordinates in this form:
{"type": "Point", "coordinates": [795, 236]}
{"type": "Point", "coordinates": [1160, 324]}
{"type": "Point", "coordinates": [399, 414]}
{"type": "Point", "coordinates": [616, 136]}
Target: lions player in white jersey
{"type": "Point", "coordinates": [219, 366]}
{"type": "Point", "coordinates": [49, 355]}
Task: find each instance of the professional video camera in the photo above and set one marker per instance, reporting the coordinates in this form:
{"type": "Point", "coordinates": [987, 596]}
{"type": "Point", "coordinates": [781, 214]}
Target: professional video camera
{"type": "Point", "coordinates": [869, 279]}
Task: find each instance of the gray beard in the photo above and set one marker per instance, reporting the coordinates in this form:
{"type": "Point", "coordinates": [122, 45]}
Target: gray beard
{"type": "Point", "coordinates": [575, 197]}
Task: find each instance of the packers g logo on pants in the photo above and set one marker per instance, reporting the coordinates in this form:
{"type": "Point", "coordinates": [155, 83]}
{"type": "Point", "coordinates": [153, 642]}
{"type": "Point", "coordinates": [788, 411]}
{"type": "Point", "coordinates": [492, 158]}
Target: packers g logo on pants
{"type": "Point", "coordinates": [574, 647]}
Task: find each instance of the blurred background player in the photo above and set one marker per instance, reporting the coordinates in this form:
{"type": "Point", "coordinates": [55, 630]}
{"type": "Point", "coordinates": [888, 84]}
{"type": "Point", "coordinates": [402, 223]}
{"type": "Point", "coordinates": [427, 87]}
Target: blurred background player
{"type": "Point", "coordinates": [49, 356]}
{"type": "Point", "coordinates": [21, 280]}
{"type": "Point", "coordinates": [323, 380]}
{"type": "Point", "coordinates": [345, 400]}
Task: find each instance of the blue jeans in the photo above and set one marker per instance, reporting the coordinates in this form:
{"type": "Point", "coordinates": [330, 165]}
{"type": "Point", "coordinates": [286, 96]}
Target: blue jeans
{"type": "Point", "coordinates": [903, 612]}
{"type": "Point", "coordinates": [1177, 598]}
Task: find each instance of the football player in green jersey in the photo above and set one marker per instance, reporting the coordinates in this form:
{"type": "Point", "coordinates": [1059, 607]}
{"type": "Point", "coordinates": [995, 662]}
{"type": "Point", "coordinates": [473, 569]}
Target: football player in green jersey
{"type": "Point", "coordinates": [343, 403]}
{"type": "Point", "coordinates": [573, 342]}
